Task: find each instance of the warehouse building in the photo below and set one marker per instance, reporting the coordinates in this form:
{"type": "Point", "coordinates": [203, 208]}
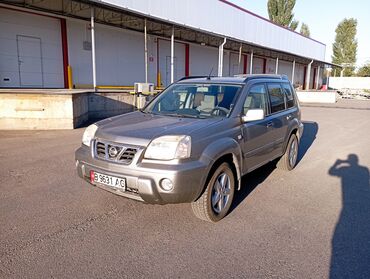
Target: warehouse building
{"type": "Point", "coordinates": [115, 43]}
{"type": "Point", "coordinates": [63, 62]}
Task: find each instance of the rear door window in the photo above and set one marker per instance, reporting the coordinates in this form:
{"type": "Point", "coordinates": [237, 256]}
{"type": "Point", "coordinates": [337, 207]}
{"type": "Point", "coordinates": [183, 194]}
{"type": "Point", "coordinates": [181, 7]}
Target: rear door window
{"type": "Point", "coordinates": [277, 99]}
{"type": "Point", "coordinates": [289, 96]}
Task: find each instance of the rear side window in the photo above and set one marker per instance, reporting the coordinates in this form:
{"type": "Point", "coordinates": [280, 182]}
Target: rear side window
{"type": "Point", "coordinates": [289, 96]}
{"type": "Point", "coordinates": [256, 99]}
{"type": "Point", "coordinates": [277, 99]}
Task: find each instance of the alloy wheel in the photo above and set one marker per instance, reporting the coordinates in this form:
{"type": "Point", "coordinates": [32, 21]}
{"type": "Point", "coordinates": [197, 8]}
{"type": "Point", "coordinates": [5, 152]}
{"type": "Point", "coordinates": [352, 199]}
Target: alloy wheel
{"type": "Point", "coordinates": [221, 193]}
{"type": "Point", "coordinates": [293, 152]}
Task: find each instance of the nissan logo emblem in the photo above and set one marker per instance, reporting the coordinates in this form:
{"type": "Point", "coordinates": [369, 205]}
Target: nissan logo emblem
{"type": "Point", "coordinates": [112, 151]}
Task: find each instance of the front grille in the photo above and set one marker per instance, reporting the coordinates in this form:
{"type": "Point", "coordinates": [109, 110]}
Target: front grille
{"type": "Point", "coordinates": [128, 155]}
{"type": "Point", "coordinates": [114, 152]}
{"type": "Point", "coordinates": [100, 149]}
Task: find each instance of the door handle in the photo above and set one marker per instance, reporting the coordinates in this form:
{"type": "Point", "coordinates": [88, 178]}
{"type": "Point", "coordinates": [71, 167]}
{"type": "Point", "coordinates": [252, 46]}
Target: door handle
{"type": "Point", "coordinates": [269, 124]}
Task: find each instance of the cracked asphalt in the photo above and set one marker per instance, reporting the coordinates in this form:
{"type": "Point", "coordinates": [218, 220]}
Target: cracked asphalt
{"type": "Point", "coordinates": [313, 222]}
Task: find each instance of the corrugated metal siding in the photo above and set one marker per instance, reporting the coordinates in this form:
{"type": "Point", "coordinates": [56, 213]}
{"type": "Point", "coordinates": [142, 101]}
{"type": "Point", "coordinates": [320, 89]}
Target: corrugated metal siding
{"type": "Point", "coordinates": [223, 19]}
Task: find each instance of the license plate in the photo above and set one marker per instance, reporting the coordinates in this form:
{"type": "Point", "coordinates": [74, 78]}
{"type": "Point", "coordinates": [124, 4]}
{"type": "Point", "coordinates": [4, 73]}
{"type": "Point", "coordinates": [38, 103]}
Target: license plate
{"type": "Point", "coordinates": [112, 181]}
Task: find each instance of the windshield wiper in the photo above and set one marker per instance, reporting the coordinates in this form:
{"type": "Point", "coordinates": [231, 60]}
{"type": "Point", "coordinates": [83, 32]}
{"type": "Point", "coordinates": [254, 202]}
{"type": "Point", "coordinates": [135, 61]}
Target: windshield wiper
{"type": "Point", "coordinates": [183, 115]}
{"type": "Point", "coordinates": [149, 112]}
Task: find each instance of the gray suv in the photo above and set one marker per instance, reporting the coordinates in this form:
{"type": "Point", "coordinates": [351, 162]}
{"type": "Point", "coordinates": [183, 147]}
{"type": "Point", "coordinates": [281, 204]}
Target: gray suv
{"type": "Point", "coordinates": [195, 141]}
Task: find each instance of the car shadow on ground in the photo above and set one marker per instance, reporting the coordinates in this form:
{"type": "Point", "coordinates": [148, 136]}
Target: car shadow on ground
{"type": "Point", "coordinates": [350, 256]}
{"type": "Point", "coordinates": [253, 179]}
{"type": "Point", "coordinates": [309, 135]}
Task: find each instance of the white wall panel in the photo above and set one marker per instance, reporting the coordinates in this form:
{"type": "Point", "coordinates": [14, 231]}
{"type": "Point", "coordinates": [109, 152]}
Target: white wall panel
{"type": "Point", "coordinates": [270, 66]}
{"type": "Point", "coordinates": [299, 74]}
{"type": "Point", "coordinates": [152, 59]}
{"type": "Point", "coordinates": [44, 29]}
{"type": "Point", "coordinates": [203, 60]}
{"type": "Point", "coordinates": [258, 65]}
{"type": "Point", "coordinates": [119, 55]}
{"type": "Point", "coordinates": [234, 66]}
{"type": "Point", "coordinates": [240, 25]}
{"type": "Point", "coordinates": [226, 64]}
{"type": "Point", "coordinates": [285, 68]}
{"type": "Point", "coordinates": [165, 61]}
{"type": "Point", "coordinates": [248, 63]}
{"type": "Point", "coordinates": [79, 58]}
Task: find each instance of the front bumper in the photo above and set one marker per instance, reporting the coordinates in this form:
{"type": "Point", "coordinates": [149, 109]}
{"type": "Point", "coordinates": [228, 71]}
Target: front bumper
{"type": "Point", "coordinates": [143, 179]}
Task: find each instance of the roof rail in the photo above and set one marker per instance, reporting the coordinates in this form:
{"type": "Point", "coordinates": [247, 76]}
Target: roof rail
{"type": "Point", "coordinates": [191, 77]}
{"type": "Point", "coordinates": [269, 76]}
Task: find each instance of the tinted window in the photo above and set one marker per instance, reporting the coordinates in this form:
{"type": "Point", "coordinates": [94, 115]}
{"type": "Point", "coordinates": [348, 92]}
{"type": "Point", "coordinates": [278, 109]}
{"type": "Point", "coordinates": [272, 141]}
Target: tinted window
{"type": "Point", "coordinates": [256, 99]}
{"type": "Point", "coordinates": [276, 97]}
{"type": "Point", "coordinates": [289, 97]}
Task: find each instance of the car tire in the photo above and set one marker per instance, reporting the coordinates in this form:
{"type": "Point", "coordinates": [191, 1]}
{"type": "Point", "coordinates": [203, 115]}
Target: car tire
{"type": "Point", "coordinates": [289, 160]}
{"type": "Point", "coordinates": [216, 200]}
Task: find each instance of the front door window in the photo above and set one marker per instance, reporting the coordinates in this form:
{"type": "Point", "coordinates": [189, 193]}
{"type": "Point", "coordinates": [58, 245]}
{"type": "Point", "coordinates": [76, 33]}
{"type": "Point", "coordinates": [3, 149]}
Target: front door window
{"type": "Point", "coordinates": [256, 99]}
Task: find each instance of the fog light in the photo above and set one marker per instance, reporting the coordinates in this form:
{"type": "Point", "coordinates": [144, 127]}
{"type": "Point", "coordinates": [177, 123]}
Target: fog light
{"type": "Point", "coordinates": [166, 184]}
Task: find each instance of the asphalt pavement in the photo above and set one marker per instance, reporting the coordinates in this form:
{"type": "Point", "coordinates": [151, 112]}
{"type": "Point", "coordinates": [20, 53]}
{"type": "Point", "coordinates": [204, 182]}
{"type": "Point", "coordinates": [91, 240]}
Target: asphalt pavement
{"type": "Point", "coordinates": [313, 222]}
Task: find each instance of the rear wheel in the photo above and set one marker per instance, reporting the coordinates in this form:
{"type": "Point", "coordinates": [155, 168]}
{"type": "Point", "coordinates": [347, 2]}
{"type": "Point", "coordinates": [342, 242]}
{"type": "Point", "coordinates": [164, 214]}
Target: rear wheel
{"type": "Point", "coordinates": [289, 160]}
{"type": "Point", "coordinates": [217, 198]}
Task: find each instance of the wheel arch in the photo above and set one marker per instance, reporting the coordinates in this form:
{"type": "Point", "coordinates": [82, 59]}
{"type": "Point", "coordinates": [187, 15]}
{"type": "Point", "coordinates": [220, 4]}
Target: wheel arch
{"type": "Point", "coordinates": [294, 130]}
{"type": "Point", "coordinates": [226, 150]}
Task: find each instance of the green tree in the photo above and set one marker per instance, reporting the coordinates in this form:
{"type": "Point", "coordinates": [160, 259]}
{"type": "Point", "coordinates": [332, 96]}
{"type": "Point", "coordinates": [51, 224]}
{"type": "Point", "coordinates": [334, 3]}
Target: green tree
{"type": "Point", "coordinates": [345, 45]}
{"type": "Point", "coordinates": [364, 71]}
{"type": "Point", "coordinates": [281, 12]}
{"type": "Point", "coordinates": [294, 24]}
{"type": "Point", "coordinates": [305, 31]}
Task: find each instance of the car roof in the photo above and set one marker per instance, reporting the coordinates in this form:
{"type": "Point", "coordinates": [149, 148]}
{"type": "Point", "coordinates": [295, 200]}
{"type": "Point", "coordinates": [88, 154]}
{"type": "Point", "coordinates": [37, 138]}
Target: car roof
{"type": "Point", "coordinates": [239, 79]}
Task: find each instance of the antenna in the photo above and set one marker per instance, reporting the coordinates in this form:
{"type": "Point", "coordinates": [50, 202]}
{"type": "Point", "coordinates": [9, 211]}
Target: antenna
{"type": "Point", "coordinates": [210, 73]}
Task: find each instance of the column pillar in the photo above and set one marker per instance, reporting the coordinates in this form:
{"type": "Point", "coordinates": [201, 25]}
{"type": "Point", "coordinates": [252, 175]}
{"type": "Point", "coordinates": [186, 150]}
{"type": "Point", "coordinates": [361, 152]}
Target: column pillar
{"type": "Point", "coordinates": [293, 72]}
{"type": "Point", "coordinates": [93, 58]}
{"type": "Point", "coordinates": [172, 54]}
{"type": "Point", "coordinates": [277, 65]}
{"type": "Point", "coordinates": [251, 64]}
{"type": "Point", "coordinates": [221, 57]}
{"type": "Point", "coordinates": [145, 52]}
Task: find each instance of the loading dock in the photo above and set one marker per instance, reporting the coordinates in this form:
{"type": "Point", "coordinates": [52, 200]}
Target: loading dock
{"type": "Point", "coordinates": [110, 45]}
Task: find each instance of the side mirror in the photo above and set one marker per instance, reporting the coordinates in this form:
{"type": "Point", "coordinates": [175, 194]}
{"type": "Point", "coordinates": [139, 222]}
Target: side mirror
{"type": "Point", "coordinates": [253, 115]}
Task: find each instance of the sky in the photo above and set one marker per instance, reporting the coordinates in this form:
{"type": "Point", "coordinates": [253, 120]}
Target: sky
{"type": "Point", "coordinates": [322, 17]}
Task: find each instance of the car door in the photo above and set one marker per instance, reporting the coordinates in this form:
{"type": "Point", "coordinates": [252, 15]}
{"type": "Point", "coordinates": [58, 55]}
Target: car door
{"type": "Point", "coordinates": [291, 102]}
{"type": "Point", "coordinates": [256, 144]}
{"type": "Point", "coordinates": [278, 118]}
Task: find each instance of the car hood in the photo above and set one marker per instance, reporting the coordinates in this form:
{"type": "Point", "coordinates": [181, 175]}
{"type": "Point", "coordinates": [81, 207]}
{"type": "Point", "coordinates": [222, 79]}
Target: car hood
{"type": "Point", "coordinates": [138, 128]}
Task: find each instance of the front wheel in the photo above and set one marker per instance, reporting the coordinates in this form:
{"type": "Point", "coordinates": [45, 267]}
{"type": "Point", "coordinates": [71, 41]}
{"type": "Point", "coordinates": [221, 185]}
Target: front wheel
{"type": "Point", "coordinates": [289, 160]}
{"type": "Point", "coordinates": [217, 198]}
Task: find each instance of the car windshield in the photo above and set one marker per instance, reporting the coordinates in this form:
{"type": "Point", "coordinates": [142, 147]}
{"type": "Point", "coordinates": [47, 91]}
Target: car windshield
{"type": "Point", "coordinates": [195, 100]}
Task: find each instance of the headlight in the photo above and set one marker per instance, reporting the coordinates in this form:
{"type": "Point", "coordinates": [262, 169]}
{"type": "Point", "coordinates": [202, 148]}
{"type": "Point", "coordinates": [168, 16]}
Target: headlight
{"type": "Point", "coordinates": [169, 147]}
{"type": "Point", "coordinates": [89, 134]}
